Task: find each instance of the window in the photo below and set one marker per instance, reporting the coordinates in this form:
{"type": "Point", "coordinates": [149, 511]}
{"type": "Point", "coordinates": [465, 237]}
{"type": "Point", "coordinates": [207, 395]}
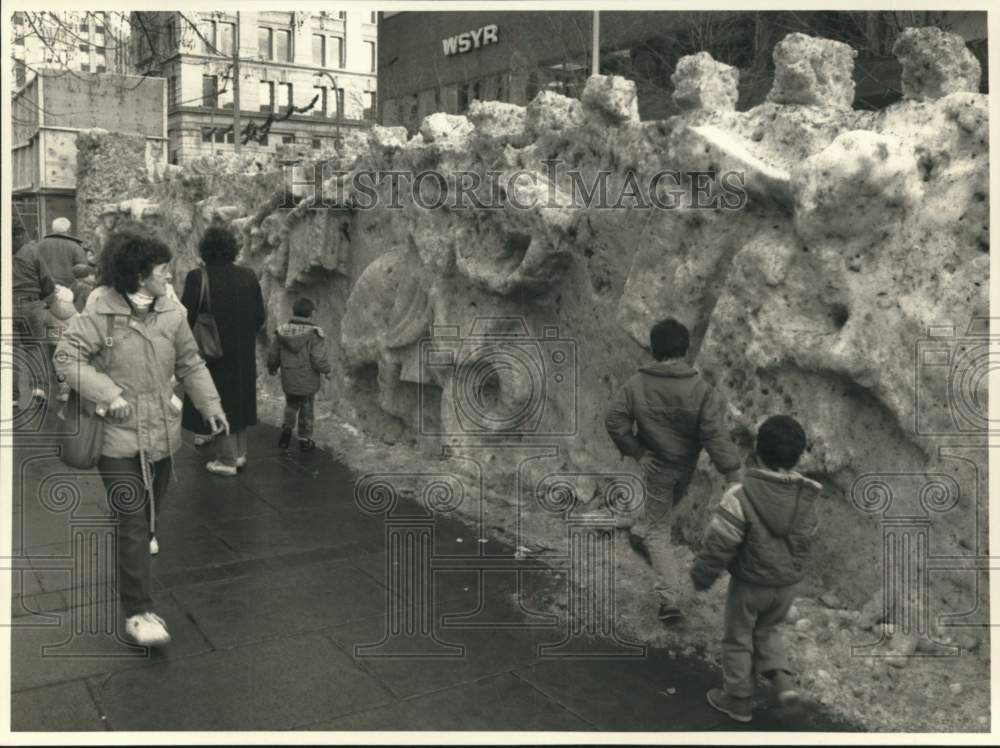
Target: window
{"type": "Point", "coordinates": [263, 139]}
{"type": "Point", "coordinates": [172, 92]}
{"type": "Point", "coordinates": [220, 136]}
{"type": "Point", "coordinates": [171, 42]}
{"type": "Point", "coordinates": [287, 138]}
{"type": "Point", "coordinates": [476, 92]}
{"type": "Point", "coordinates": [374, 17]}
{"type": "Point", "coordinates": [316, 144]}
{"type": "Point", "coordinates": [502, 88]}
{"type": "Point", "coordinates": [226, 94]}
{"type": "Point", "coordinates": [319, 50]}
{"type": "Point", "coordinates": [339, 102]}
{"type": "Point", "coordinates": [206, 135]}
{"type": "Point", "coordinates": [98, 29]}
{"type": "Point", "coordinates": [320, 107]}
{"type": "Point", "coordinates": [463, 99]}
{"type": "Point", "coordinates": [371, 55]}
{"type": "Point", "coordinates": [84, 26]}
{"type": "Point", "coordinates": [336, 52]}
{"type": "Point", "coordinates": [100, 60]}
{"type": "Point", "coordinates": [85, 48]}
{"type": "Point", "coordinates": [266, 96]}
{"type": "Point", "coordinates": [282, 45]}
{"type": "Point", "coordinates": [20, 74]}
{"type": "Point", "coordinates": [342, 14]}
{"type": "Point", "coordinates": [225, 37]}
{"type": "Point", "coordinates": [206, 31]}
{"type": "Point", "coordinates": [284, 97]}
{"type": "Point", "coordinates": [370, 111]}
{"type": "Point", "coordinates": [264, 44]}
{"type": "Point", "coordinates": [532, 89]}
{"type": "Point", "coordinates": [85, 67]}
{"type": "Point", "coordinates": [210, 91]}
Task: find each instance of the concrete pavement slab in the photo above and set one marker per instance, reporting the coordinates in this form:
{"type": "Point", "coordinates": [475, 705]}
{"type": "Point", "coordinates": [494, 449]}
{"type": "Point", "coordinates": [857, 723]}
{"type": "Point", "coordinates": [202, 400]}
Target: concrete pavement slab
{"type": "Point", "coordinates": [58, 708]}
{"type": "Point", "coordinates": [274, 685]}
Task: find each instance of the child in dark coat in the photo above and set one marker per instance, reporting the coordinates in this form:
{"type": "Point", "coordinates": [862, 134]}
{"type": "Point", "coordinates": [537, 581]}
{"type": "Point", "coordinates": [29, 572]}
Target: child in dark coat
{"type": "Point", "coordinates": [299, 350]}
{"type": "Point", "coordinates": [761, 533]}
{"type": "Point", "coordinates": [674, 414]}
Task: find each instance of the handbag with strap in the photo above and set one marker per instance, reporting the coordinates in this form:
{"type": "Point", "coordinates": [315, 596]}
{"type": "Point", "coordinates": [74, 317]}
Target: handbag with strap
{"type": "Point", "coordinates": [206, 332]}
{"type": "Point", "coordinates": [81, 432]}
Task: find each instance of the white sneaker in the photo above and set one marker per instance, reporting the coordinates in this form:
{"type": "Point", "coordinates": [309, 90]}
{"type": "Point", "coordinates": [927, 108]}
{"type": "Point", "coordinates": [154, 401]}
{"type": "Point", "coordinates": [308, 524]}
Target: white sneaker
{"type": "Point", "coordinates": [147, 630]}
{"type": "Point", "coordinates": [154, 547]}
{"type": "Point", "coordinates": [219, 468]}
{"type": "Point", "coordinates": [241, 462]}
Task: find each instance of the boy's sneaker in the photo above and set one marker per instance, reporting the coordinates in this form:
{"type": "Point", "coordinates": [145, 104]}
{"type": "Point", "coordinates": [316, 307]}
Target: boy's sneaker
{"type": "Point", "coordinates": [241, 462]}
{"type": "Point", "coordinates": [739, 709]}
{"type": "Point", "coordinates": [784, 686]}
{"type": "Point", "coordinates": [147, 630]}
{"type": "Point", "coordinates": [286, 437]}
{"type": "Point", "coordinates": [154, 547]}
{"type": "Point", "coordinates": [307, 445]}
{"type": "Point", "coordinates": [669, 613]}
{"type": "Point", "coordinates": [220, 468]}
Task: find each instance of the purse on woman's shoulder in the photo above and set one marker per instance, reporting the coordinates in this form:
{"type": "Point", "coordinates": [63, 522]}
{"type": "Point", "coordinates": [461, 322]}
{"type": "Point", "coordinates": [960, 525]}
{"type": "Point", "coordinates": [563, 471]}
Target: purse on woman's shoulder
{"type": "Point", "coordinates": [81, 427]}
{"type": "Point", "coordinates": [206, 331]}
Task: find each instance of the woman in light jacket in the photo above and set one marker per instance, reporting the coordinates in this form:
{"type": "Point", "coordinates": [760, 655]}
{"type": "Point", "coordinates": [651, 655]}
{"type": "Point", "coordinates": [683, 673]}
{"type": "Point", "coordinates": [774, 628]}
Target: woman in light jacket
{"type": "Point", "coordinates": [121, 353]}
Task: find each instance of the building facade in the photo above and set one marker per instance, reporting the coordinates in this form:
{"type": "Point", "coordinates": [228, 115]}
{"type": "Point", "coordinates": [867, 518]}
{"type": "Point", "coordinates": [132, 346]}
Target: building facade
{"type": "Point", "coordinates": [47, 114]}
{"type": "Point", "coordinates": [68, 42]}
{"type": "Point", "coordinates": [442, 61]}
{"type": "Point", "coordinates": [303, 77]}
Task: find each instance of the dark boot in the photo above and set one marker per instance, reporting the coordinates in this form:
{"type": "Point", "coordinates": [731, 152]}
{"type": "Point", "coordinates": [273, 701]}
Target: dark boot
{"type": "Point", "coordinates": [784, 687]}
{"type": "Point", "coordinates": [286, 437]}
{"type": "Point", "coordinates": [307, 445]}
{"type": "Point", "coordinates": [739, 709]}
{"type": "Point", "coordinates": [669, 613]}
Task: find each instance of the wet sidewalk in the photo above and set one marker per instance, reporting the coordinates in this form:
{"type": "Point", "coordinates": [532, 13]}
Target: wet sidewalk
{"type": "Point", "coordinates": [275, 590]}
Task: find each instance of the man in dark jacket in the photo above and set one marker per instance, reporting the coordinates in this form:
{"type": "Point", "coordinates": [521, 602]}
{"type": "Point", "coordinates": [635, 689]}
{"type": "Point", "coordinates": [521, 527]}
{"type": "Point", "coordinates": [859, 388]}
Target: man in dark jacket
{"type": "Point", "coordinates": [675, 413]}
{"type": "Point", "coordinates": [761, 533]}
{"type": "Point", "coordinates": [31, 283]}
{"type": "Point", "coordinates": [60, 252]}
{"type": "Point", "coordinates": [299, 350]}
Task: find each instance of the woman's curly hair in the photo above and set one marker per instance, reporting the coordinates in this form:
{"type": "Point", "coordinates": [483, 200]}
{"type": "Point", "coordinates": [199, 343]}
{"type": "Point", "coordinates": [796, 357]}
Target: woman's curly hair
{"type": "Point", "coordinates": [218, 246]}
{"type": "Point", "coordinates": [130, 253]}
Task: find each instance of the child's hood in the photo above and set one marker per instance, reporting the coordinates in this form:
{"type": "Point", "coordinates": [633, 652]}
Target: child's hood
{"type": "Point", "coordinates": [674, 369]}
{"type": "Point", "coordinates": [778, 498]}
{"type": "Point", "coordinates": [297, 332]}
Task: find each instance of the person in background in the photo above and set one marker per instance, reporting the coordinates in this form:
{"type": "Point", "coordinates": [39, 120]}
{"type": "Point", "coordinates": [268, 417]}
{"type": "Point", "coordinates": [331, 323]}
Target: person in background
{"type": "Point", "coordinates": [236, 301]}
{"type": "Point", "coordinates": [760, 533]}
{"type": "Point", "coordinates": [60, 251]}
{"type": "Point", "coordinates": [84, 281]}
{"type": "Point", "coordinates": [299, 350]}
{"type": "Point", "coordinates": [31, 284]}
{"type": "Point", "coordinates": [121, 353]}
{"type": "Point", "coordinates": [675, 413]}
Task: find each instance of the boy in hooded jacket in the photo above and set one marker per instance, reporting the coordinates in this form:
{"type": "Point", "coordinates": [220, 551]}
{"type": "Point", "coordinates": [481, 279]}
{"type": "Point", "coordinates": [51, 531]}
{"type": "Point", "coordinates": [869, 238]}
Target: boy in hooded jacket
{"type": "Point", "coordinates": [760, 532]}
{"type": "Point", "coordinates": [299, 350]}
{"type": "Point", "coordinates": [662, 417]}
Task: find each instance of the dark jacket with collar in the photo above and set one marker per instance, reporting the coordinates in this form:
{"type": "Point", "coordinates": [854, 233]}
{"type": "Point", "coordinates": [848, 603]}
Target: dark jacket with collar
{"type": "Point", "coordinates": [675, 413]}
{"type": "Point", "coordinates": [299, 350]}
{"type": "Point", "coordinates": [60, 252]}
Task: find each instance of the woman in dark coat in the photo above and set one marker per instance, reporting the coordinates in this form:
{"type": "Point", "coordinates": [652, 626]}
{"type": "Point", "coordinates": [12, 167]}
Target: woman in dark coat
{"type": "Point", "coordinates": [236, 301]}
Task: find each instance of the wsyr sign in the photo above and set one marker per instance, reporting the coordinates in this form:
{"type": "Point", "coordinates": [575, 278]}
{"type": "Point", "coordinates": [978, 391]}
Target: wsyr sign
{"type": "Point", "coordinates": [469, 40]}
